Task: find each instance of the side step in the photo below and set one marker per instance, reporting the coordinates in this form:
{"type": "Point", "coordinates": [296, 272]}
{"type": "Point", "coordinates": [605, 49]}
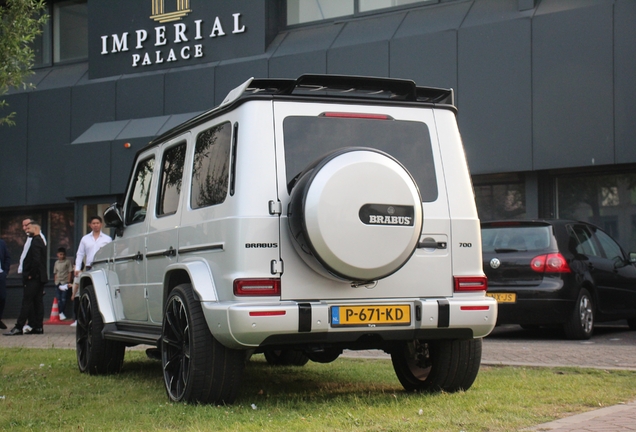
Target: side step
{"type": "Point", "coordinates": [133, 335]}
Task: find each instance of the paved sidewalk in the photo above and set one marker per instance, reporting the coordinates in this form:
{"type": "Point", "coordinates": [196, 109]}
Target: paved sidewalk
{"type": "Point", "coordinates": [615, 353]}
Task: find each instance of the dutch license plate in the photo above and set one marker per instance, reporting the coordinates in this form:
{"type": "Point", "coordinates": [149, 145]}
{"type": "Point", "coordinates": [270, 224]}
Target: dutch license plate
{"type": "Point", "coordinates": [370, 315]}
{"type": "Point", "coordinates": [503, 297]}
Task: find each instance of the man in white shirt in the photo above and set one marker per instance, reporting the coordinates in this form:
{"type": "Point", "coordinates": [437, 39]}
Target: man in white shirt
{"type": "Point", "coordinates": [90, 244]}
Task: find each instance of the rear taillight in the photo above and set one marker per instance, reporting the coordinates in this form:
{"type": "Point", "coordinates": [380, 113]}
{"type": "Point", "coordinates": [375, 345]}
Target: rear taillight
{"type": "Point", "coordinates": [550, 263]}
{"type": "Point", "coordinates": [471, 283]}
{"type": "Point", "coordinates": [257, 287]}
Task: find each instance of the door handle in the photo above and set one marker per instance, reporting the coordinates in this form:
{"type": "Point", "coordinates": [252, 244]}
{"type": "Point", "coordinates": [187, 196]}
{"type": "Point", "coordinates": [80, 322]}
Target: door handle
{"type": "Point", "coordinates": [172, 252]}
{"type": "Point", "coordinates": [139, 256]}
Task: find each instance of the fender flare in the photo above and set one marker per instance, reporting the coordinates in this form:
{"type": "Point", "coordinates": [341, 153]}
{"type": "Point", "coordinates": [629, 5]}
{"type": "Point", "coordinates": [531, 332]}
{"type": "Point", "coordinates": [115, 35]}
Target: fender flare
{"type": "Point", "coordinates": [99, 281]}
{"type": "Point", "coordinates": [200, 276]}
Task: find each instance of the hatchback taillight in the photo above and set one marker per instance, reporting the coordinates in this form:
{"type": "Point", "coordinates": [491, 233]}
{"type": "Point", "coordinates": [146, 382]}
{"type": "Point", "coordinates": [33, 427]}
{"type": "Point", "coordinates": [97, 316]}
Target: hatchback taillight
{"type": "Point", "coordinates": [550, 263]}
{"type": "Point", "coordinates": [471, 283]}
{"type": "Point", "coordinates": [257, 287]}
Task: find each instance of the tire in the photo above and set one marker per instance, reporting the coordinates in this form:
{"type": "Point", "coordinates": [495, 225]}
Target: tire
{"type": "Point", "coordinates": [196, 367]}
{"type": "Point", "coordinates": [285, 358]}
{"type": "Point", "coordinates": [445, 365]}
{"type": "Point", "coordinates": [580, 324]}
{"type": "Point", "coordinates": [355, 215]}
{"type": "Point", "coordinates": [95, 355]}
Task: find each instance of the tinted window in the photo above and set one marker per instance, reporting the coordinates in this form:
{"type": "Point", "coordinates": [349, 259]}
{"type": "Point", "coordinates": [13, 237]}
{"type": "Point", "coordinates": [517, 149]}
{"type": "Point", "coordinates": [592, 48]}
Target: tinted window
{"type": "Point", "coordinates": [140, 192]}
{"type": "Point", "coordinates": [171, 177]}
{"type": "Point", "coordinates": [211, 166]}
{"type": "Point", "coordinates": [611, 249]}
{"type": "Point", "coordinates": [584, 244]}
{"type": "Point", "coordinates": [309, 138]}
{"type": "Point", "coordinates": [519, 238]}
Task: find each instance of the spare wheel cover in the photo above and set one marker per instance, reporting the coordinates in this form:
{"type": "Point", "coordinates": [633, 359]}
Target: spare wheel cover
{"type": "Point", "coordinates": [361, 214]}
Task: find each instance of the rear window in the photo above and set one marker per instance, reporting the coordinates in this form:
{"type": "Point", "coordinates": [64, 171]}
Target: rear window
{"type": "Point", "coordinates": [513, 239]}
{"type": "Point", "coordinates": [309, 138]}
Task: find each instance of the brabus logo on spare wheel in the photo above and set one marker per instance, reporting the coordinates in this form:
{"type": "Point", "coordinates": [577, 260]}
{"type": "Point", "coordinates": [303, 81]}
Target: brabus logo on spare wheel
{"type": "Point", "coordinates": [387, 214]}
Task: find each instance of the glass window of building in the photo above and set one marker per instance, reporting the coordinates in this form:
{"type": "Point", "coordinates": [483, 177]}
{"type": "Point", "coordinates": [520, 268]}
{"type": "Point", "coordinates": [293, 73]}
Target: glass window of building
{"type": "Point", "coordinates": [500, 197]}
{"type": "Point", "coordinates": [608, 201]}
{"type": "Point", "coordinates": [70, 31]}
{"type": "Point", "coordinates": [42, 52]}
{"type": "Point", "coordinates": [304, 11]}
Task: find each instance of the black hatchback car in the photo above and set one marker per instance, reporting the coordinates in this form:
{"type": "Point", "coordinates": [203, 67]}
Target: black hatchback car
{"type": "Point", "coordinates": [558, 272]}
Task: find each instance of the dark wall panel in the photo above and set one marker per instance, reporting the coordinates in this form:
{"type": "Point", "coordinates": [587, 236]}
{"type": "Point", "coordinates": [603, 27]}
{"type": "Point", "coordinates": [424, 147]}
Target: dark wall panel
{"type": "Point", "coordinates": [573, 87]}
{"type": "Point", "coordinates": [91, 173]}
{"type": "Point", "coordinates": [362, 48]}
{"type": "Point", "coordinates": [13, 152]}
{"type": "Point", "coordinates": [189, 90]}
{"type": "Point", "coordinates": [92, 103]}
{"type": "Point", "coordinates": [49, 131]}
{"type": "Point", "coordinates": [625, 80]}
{"type": "Point", "coordinates": [230, 75]}
{"type": "Point", "coordinates": [139, 97]}
{"type": "Point", "coordinates": [495, 104]}
{"type": "Point", "coordinates": [303, 51]}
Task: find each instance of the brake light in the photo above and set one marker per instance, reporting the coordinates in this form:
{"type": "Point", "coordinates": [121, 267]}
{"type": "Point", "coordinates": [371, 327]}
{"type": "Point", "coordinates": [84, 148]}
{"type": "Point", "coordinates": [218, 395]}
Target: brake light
{"type": "Point", "coordinates": [550, 263]}
{"type": "Point", "coordinates": [357, 115]}
{"type": "Point", "coordinates": [471, 283]}
{"type": "Point", "coordinates": [257, 287]}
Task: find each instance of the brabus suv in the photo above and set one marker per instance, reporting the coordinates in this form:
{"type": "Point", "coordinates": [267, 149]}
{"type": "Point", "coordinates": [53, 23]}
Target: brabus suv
{"type": "Point", "coordinates": [297, 219]}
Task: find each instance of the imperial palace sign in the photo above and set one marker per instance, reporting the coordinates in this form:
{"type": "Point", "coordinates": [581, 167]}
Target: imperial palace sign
{"type": "Point", "coordinates": [131, 36]}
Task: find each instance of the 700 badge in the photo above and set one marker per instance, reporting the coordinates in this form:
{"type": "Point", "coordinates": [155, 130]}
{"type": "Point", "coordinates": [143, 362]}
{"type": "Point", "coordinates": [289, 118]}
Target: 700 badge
{"type": "Point", "coordinates": [370, 315]}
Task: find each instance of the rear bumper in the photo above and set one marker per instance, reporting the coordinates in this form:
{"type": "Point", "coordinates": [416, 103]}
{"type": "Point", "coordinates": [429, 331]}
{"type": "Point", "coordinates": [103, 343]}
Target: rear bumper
{"type": "Point", "coordinates": [251, 325]}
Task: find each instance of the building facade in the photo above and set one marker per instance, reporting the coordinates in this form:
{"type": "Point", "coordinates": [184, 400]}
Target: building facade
{"type": "Point", "coordinates": [546, 92]}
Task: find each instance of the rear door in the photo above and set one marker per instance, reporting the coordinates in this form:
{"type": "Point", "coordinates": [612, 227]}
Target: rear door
{"type": "Point", "coordinates": [306, 132]}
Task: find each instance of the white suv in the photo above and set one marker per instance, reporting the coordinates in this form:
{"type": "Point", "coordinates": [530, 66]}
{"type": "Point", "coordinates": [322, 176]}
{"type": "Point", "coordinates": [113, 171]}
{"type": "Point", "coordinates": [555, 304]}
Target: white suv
{"type": "Point", "coordinates": [297, 219]}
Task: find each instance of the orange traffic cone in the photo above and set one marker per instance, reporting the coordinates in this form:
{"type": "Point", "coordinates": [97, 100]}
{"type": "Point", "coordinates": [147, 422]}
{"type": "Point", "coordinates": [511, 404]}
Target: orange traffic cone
{"type": "Point", "coordinates": [55, 314]}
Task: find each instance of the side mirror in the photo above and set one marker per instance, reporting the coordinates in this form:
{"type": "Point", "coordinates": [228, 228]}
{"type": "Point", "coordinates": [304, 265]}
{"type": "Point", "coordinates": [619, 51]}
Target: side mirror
{"type": "Point", "coordinates": [114, 219]}
{"type": "Point", "coordinates": [632, 257]}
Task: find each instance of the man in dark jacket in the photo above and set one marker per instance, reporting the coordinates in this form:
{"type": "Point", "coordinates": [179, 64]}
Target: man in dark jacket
{"type": "Point", "coordinates": [34, 276]}
{"type": "Point", "coordinates": [5, 263]}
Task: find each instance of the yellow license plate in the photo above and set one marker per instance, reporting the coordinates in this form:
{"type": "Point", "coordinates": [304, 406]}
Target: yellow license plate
{"type": "Point", "coordinates": [503, 297]}
{"type": "Point", "coordinates": [370, 315]}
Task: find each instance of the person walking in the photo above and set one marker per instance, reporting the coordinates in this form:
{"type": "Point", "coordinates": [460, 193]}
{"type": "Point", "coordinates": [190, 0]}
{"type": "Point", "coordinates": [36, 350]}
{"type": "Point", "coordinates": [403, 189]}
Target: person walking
{"type": "Point", "coordinates": [5, 264]}
{"type": "Point", "coordinates": [34, 276]}
{"type": "Point", "coordinates": [90, 244]}
{"type": "Point", "coordinates": [63, 275]}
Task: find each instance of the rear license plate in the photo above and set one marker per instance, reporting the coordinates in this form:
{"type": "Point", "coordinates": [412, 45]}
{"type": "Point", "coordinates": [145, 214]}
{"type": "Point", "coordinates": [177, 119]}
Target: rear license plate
{"type": "Point", "coordinates": [503, 297]}
{"type": "Point", "coordinates": [370, 315]}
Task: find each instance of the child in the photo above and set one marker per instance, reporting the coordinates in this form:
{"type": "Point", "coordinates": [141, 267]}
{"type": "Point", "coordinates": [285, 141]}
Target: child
{"type": "Point", "coordinates": [63, 272]}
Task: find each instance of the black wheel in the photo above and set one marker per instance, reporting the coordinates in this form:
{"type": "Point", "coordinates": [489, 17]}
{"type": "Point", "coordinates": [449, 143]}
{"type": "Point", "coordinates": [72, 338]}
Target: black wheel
{"type": "Point", "coordinates": [445, 365]}
{"type": "Point", "coordinates": [285, 357]}
{"type": "Point", "coordinates": [196, 367]}
{"type": "Point", "coordinates": [580, 324]}
{"type": "Point", "coordinates": [95, 355]}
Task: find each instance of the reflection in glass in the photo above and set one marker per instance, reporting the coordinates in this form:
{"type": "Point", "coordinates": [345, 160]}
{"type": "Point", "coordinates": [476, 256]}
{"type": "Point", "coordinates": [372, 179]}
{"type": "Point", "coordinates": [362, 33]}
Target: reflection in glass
{"type": "Point", "coordinates": [210, 173]}
{"type": "Point", "coordinates": [171, 177]}
{"type": "Point", "coordinates": [604, 200]}
{"type": "Point", "coordinates": [501, 201]}
{"type": "Point", "coordinates": [140, 193]}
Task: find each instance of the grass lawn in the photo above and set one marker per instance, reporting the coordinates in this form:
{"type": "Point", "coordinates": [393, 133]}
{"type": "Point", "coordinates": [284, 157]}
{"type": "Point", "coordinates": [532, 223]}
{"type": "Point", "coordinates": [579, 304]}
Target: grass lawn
{"type": "Point", "coordinates": [42, 390]}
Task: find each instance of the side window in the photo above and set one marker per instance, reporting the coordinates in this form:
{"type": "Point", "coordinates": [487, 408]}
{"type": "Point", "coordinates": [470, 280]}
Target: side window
{"type": "Point", "coordinates": [140, 192]}
{"type": "Point", "coordinates": [211, 166]}
{"type": "Point", "coordinates": [171, 177]}
{"type": "Point", "coordinates": [584, 243]}
{"type": "Point", "coordinates": [610, 247]}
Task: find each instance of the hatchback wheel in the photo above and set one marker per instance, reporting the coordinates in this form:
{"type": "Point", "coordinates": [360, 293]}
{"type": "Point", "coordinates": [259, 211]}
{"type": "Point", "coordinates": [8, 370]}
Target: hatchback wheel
{"type": "Point", "coordinates": [580, 325]}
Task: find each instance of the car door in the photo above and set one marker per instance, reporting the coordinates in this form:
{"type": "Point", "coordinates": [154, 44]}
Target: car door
{"type": "Point", "coordinates": [162, 237]}
{"type": "Point", "coordinates": [619, 292]}
{"type": "Point", "coordinates": [129, 270]}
